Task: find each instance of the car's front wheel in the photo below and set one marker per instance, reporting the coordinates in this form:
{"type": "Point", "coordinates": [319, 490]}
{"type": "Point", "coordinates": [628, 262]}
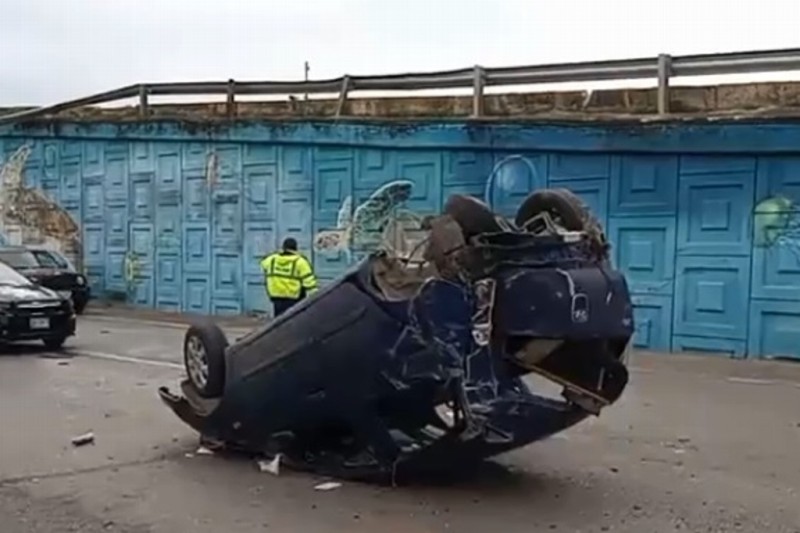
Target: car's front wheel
{"type": "Point", "coordinates": [204, 358]}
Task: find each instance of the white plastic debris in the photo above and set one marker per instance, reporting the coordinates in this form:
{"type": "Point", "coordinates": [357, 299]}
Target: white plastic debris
{"type": "Point", "coordinates": [329, 485]}
{"type": "Point", "coordinates": [202, 450]}
{"type": "Point", "coordinates": [272, 467]}
{"type": "Point", "coordinates": [83, 440]}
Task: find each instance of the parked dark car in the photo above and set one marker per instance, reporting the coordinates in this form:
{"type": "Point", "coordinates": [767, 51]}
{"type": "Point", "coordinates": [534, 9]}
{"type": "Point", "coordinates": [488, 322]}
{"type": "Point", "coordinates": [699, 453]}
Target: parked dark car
{"type": "Point", "coordinates": [49, 269]}
{"type": "Point", "coordinates": [398, 367]}
{"type": "Point", "coordinates": [31, 312]}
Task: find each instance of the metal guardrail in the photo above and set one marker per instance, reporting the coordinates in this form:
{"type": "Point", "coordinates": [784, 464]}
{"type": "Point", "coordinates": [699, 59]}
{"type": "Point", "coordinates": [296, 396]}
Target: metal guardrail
{"type": "Point", "coordinates": [662, 68]}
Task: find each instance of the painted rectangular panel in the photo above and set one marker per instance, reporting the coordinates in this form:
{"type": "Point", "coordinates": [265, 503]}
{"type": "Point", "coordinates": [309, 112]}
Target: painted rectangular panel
{"type": "Point", "coordinates": [774, 329]}
{"type": "Point", "coordinates": [94, 244]}
{"type": "Point", "coordinates": [714, 214]}
{"type": "Point", "coordinates": [93, 202]}
{"type": "Point", "coordinates": [70, 180]}
{"type": "Point", "coordinates": [168, 229]}
{"type": "Point", "coordinates": [96, 277]}
{"type": "Point", "coordinates": [711, 296]}
{"type": "Point", "coordinates": [424, 170]}
{"type": "Point", "coordinates": [709, 346]}
{"type": "Point", "coordinates": [142, 202]}
{"type": "Point", "coordinates": [226, 280]}
{"type": "Point", "coordinates": [142, 157]}
{"type": "Point", "coordinates": [168, 173]}
{"type": "Point", "coordinates": [227, 221]}
{"type": "Point", "coordinates": [169, 148]}
{"type": "Point", "coordinates": [333, 184]}
{"type": "Point", "coordinates": [115, 271]}
{"type": "Point", "coordinates": [142, 250]}
{"type": "Point", "coordinates": [196, 199]}
{"type": "Point", "coordinates": [255, 297]}
{"type": "Point", "coordinates": [776, 229]}
{"type": "Point", "coordinates": [294, 219]}
{"type": "Point", "coordinates": [260, 184]}
{"type": "Point", "coordinates": [375, 167]}
{"type": "Point", "coordinates": [467, 167]}
{"type": "Point", "coordinates": [259, 154]}
{"type": "Point", "coordinates": [196, 294]}
{"type": "Point", "coordinates": [644, 185]}
{"type": "Point", "coordinates": [294, 170]}
{"type": "Point", "coordinates": [52, 162]}
{"type": "Point", "coordinates": [71, 149]}
{"type": "Point", "coordinates": [259, 241]}
{"type": "Point", "coordinates": [229, 161]}
{"type": "Point", "coordinates": [716, 164]}
{"type": "Point", "coordinates": [513, 178]}
{"type": "Point", "coordinates": [332, 153]}
{"type": "Point", "coordinates": [116, 181]}
{"type": "Point", "coordinates": [196, 251]}
{"type": "Point", "coordinates": [574, 166]}
{"type": "Point", "coordinates": [117, 227]}
{"type": "Point", "coordinates": [116, 150]}
{"type": "Point", "coordinates": [168, 282]}
{"type": "Point", "coordinates": [644, 248]}
{"type": "Point", "coordinates": [652, 316]}
{"type": "Point", "coordinates": [194, 156]}
{"type": "Point", "coordinates": [93, 158]}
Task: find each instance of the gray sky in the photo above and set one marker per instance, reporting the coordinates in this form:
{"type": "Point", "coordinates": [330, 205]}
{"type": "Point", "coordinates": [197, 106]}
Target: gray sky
{"type": "Point", "coordinates": [52, 50]}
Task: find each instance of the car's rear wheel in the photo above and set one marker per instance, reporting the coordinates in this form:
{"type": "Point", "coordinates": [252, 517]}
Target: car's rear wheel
{"type": "Point", "coordinates": [79, 306]}
{"type": "Point", "coordinates": [54, 343]}
{"type": "Point", "coordinates": [472, 215]}
{"type": "Point", "coordinates": [204, 358]}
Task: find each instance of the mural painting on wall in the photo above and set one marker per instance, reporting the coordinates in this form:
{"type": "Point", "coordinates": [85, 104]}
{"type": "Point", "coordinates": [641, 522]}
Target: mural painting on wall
{"type": "Point", "coordinates": [777, 224]}
{"type": "Point", "coordinates": [383, 222]}
{"type": "Point", "coordinates": [28, 216]}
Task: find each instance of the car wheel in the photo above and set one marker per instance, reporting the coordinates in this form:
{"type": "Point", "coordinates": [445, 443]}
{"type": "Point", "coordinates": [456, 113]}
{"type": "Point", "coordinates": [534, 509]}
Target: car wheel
{"type": "Point", "coordinates": [472, 215]}
{"type": "Point", "coordinates": [79, 306]}
{"type": "Point", "coordinates": [55, 343]}
{"type": "Point", "coordinates": [204, 358]}
{"type": "Point", "coordinates": [563, 206]}
{"type": "Point", "coordinates": [569, 211]}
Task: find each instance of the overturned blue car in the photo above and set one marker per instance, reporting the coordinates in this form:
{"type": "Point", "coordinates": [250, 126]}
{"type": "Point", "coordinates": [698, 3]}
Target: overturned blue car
{"type": "Point", "coordinates": [401, 367]}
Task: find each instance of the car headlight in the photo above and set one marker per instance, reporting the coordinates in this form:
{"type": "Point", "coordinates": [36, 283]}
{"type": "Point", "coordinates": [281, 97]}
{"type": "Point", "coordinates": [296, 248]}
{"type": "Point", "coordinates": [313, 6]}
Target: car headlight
{"type": "Point", "coordinates": [80, 280]}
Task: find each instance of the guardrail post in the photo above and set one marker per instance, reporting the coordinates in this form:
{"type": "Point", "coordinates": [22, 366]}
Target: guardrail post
{"type": "Point", "coordinates": [664, 71]}
{"type": "Point", "coordinates": [343, 95]}
{"type": "Point", "coordinates": [478, 83]}
{"type": "Point", "coordinates": [144, 106]}
{"type": "Point", "coordinates": [230, 103]}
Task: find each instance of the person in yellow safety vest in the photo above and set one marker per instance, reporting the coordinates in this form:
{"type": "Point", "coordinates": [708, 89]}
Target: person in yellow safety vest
{"type": "Point", "coordinates": [288, 275]}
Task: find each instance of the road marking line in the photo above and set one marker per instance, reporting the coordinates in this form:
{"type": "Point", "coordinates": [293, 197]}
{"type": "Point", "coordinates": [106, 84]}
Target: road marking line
{"type": "Point", "coordinates": [128, 359]}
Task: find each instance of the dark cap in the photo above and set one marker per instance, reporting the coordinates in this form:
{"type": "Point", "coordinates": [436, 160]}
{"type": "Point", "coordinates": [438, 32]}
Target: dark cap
{"type": "Point", "coordinates": [290, 244]}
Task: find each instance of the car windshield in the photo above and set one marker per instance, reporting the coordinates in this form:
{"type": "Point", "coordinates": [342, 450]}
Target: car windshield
{"type": "Point", "coordinates": [9, 276]}
{"type": "Point", "coordinates": [47, 259]}
{"type": "Point", "coordinates": [20, 260]}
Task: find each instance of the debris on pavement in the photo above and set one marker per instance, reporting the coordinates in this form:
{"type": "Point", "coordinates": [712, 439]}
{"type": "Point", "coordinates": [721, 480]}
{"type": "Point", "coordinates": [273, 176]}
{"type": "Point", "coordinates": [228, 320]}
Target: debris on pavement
{"type": "Point", "coordinates": [273, 467]}
{"type": "Point", "coordinates": [83, 440]}
{"type": "Point", "coordinates": [329, 485]}
{"type": "Point", "coordinates": [202, 450]}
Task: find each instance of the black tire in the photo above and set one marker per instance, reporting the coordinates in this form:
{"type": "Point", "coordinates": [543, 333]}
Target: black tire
{"type": "Point", "coordinates": [562, 204]}
{"type": "Point", "coordinates": [54, 343]}
{"type": "Point", "coordinates": [210, 338]}
{"type": "Point", "coordinates": [570, 212]}
{"type": "Point", "coordinates": [79, 306]}
{"type": "Point", "coordinates": [472, 215]}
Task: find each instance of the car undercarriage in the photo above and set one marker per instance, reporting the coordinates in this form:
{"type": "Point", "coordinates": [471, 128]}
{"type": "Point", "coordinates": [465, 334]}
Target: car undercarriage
{"type": "Point", "coordinates": [406, 366]}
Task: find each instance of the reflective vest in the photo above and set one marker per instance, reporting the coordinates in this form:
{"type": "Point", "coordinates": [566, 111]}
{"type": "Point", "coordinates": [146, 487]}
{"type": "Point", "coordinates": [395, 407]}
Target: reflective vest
{"type": "Point", "coordinates": [287, 274]}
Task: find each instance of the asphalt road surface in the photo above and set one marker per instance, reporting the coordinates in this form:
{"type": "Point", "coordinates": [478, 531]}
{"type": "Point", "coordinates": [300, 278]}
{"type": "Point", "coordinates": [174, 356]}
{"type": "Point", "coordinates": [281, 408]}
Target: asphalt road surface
{"type": "Point", "coordinates": [699, 444]}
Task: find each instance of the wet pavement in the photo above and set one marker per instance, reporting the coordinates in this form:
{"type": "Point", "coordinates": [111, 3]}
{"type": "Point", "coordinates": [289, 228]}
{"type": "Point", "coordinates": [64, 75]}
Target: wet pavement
{"type": "Point", "coordinates": [700, 444]}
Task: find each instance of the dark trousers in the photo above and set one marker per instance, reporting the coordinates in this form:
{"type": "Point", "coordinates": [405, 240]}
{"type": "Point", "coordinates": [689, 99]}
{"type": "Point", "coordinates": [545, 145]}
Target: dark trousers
{"type": "Point", "coordinates": [281, 305]}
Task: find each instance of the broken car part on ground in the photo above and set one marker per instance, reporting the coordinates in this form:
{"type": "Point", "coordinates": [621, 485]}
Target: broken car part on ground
{"type": "Point", "coordinates": [399, 367]}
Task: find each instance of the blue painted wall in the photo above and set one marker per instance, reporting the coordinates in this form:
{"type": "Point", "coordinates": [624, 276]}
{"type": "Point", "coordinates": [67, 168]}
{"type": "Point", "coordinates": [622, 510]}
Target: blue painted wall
{"type": "Point", "coordinates": [702, 216]}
